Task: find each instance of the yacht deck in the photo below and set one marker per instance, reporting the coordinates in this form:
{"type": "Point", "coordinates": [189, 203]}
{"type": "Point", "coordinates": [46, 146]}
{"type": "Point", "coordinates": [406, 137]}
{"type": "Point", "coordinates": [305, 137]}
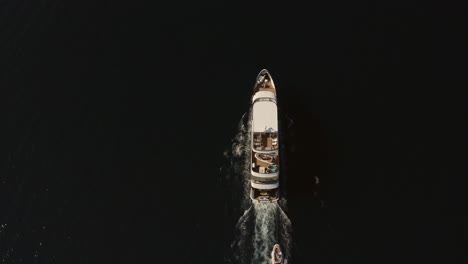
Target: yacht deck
{"type": "Point", "coordinates": [265, 141]}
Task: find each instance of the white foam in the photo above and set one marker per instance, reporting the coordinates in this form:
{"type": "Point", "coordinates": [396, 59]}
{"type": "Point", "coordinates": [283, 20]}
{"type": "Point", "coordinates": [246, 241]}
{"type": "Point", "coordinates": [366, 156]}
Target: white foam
{"type": "Point", "coordinates": [262, 224]}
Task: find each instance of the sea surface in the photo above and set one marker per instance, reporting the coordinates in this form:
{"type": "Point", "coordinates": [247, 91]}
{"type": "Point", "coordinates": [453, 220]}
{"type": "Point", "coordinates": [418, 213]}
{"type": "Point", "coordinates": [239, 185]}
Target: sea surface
{"type": "Point", "coordinates": [124, 127]}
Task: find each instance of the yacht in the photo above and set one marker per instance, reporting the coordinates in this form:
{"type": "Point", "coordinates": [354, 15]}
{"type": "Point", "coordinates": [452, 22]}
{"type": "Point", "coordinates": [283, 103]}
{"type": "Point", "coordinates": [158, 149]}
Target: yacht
{"type": "Point", "coordinates": [265, 146]}
{"type": "Point", "coordinates": [277, 255]}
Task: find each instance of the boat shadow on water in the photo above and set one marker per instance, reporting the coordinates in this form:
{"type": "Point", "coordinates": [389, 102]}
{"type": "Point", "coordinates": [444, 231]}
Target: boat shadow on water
{"type": "Point", "coordinates": [306, 174]}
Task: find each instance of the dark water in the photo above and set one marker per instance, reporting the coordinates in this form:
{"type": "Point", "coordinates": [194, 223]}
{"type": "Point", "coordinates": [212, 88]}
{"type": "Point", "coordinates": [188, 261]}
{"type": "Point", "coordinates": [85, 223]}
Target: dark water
{"type": "Point", "coordinates": [115, 117]}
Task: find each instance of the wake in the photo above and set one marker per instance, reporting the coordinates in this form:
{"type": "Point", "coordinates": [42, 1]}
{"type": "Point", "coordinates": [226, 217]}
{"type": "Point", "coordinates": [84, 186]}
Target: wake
{"type": "Point", "coordinates": [262, 225]}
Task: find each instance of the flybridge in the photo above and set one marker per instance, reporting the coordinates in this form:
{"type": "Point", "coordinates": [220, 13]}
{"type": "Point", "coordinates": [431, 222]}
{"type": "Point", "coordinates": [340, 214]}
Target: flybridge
{"type": "Point", "coordinates": [265, 151]}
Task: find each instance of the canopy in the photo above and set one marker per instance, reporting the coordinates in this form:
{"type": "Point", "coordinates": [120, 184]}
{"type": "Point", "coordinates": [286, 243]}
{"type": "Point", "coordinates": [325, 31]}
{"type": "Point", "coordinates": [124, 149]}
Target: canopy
{"type": "Point", "coordinates": [265, 117]}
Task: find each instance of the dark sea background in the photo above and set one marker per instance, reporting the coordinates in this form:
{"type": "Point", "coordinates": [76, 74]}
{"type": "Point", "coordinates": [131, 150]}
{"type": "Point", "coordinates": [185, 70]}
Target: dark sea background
{"type": "Point", "coordinates": [115, 117]}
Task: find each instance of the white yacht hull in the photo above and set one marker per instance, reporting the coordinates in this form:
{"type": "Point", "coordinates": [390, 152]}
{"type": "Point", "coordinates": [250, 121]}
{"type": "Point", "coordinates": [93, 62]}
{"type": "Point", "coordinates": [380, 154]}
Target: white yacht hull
{"type": "Point", "coordinates": [264, 144]}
